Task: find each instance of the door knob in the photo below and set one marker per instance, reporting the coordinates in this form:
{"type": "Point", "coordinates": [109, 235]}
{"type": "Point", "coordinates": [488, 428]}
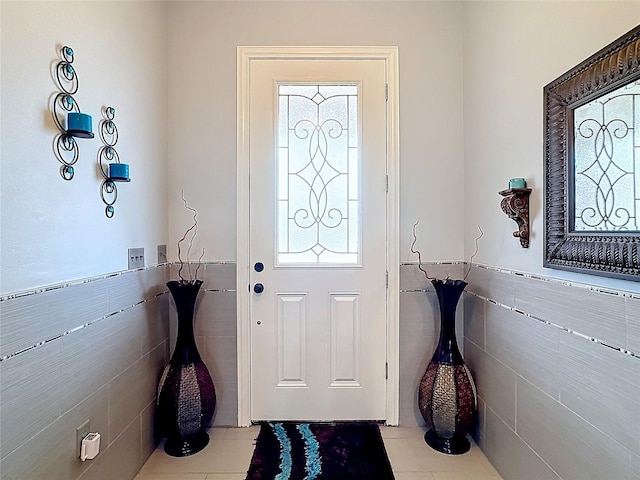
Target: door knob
{"type": "Point", "coordinates": [258, 288]}
{"type": "Point", "coordinates": [258, 267]}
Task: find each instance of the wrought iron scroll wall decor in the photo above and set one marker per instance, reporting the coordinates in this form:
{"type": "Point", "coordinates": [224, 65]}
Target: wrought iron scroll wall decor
{"type": "Point", "coordinates": [78, 124]}
{"type": "Point", "coordinates": [112, 170]}
{"type": "Point", "coordinates": [586, 158]}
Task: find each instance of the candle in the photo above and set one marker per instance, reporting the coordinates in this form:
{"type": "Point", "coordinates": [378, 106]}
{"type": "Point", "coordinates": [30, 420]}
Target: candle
{"type": "Point", "coordinates": [517, 183]}
{"type": "Point", "coordinates": [79, 125]}
{"type": "Point", "coordinates": [119, 171]}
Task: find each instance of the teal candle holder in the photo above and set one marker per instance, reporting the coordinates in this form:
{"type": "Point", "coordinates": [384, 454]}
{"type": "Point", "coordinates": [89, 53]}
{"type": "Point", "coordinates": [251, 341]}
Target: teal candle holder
{"type": "Point", "coordinates": [119, 172]}
{"type": "Point", "coordinates": [517, 183]}
{"type": "Point", "coordinates": [79, 125]}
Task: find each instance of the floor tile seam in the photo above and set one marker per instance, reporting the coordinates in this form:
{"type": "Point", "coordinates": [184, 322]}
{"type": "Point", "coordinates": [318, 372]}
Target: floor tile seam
{"type": "Point", "coordinates": [400, 469]}
{"type": "Point", "coordinates": [168, 465]}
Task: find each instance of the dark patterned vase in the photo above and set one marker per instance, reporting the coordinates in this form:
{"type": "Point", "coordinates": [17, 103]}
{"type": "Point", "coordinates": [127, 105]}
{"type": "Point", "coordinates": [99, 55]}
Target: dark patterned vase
{"type": "Point", "coordinates": [447, 395]}
{"type": "Point", "coordinates": [186, 396]}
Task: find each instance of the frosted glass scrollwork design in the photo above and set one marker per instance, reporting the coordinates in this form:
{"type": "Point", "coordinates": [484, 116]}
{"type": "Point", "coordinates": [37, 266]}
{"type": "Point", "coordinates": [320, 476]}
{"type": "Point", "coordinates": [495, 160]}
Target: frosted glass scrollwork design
{"type": "Point", "coordinates": [607, 161]}
{"type": "Point", "coordinates": [318, 181]}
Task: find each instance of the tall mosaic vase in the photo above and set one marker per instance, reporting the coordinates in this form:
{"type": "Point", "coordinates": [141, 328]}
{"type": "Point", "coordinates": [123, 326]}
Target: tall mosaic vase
{"type": "Point", "coordinates": [186, 396]}
{"type": "Point", "coordinates": [447, 395]}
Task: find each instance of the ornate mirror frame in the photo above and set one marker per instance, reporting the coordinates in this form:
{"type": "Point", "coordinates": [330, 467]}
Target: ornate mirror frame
{"type": "Point", "coordinates": [613, 254]}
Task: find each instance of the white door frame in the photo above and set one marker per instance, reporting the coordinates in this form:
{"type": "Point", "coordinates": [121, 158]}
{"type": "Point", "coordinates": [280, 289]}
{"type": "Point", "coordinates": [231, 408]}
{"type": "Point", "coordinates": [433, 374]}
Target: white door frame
{"type": "Point", "coordinates": [245, 55]}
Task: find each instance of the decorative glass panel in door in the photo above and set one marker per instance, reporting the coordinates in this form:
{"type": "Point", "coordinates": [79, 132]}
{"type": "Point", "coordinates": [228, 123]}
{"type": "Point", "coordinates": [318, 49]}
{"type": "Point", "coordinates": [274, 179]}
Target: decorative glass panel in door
{"type": "Point", "coordinates": [318, 175]}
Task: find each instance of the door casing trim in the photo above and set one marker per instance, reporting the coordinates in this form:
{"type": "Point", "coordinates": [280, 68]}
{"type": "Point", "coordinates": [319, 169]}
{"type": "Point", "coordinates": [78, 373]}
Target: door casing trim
{"type": "Point", "coordinates": [245, 55]}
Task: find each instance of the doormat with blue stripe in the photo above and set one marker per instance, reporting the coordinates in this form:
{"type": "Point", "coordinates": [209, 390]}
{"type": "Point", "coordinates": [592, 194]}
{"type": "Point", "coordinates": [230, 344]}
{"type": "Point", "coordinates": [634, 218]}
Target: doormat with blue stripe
{"type": "Point", "coordinates": [320, 451]}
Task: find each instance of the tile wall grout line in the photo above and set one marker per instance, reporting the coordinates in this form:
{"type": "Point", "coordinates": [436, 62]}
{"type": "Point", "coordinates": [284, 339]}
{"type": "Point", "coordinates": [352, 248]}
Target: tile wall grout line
{"type": "Point", "coordinates": [565, 329]}
{"type": "Point", "coordinates": [594, 288]}
{"type": "Point", "coordinates": [62, 285]}
{"type": "Point", "coordinates": [78, 328]}
{"type": "Point", "coordinates": [59, 286]}
{"type": "Point", "coordinates": [535, 276]}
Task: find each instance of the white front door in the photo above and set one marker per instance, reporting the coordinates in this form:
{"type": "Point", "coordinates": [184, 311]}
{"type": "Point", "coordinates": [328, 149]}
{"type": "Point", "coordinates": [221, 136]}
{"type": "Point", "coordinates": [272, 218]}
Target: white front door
{"type": "Point", "coordinates": [317, 239]}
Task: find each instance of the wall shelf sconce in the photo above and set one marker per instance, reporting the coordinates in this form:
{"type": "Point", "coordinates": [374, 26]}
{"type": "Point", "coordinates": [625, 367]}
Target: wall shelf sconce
{"type": "Point", "coordinates": [78, 124]}
{"type": "Point", "coordinates": [109, 161]}
{"type": "Point", "coordinates": [516, 205]}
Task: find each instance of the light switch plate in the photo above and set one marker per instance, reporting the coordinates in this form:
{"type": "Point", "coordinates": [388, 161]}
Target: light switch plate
{"type": "Point", "coordinates": [162, 254]}
{"type": "Point", "coordinates": [136, 258]}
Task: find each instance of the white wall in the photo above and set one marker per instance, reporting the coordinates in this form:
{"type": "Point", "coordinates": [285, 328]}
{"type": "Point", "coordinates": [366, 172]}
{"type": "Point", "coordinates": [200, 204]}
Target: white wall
{"type": "Point", "coordinates": [511, 51]}
{"type": "Point", "coordinates": [203, 37]}
{"type": "Point", "coordinates": [52, 230]}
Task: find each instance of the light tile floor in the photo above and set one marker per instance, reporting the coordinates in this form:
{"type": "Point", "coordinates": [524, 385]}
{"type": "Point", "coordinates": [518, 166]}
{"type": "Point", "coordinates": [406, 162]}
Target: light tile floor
{"type": "Point", "coordinates": [228, 455]}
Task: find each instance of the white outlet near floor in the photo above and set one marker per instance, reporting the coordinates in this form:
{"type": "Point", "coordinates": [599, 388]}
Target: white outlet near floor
{"type": "Point", "coordinates": [136, 258]}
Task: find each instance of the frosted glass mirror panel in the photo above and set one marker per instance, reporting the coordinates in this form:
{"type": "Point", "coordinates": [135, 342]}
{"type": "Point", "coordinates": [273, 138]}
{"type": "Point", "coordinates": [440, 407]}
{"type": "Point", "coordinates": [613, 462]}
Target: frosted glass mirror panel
{"type": "Point", "coordinates": [607, 162]}
{"type": "Point", "coordinates": [318, 204]}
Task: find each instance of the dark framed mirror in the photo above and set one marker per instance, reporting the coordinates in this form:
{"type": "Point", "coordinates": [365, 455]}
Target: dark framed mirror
{"type": "Point", "coordinates": [592, 164]}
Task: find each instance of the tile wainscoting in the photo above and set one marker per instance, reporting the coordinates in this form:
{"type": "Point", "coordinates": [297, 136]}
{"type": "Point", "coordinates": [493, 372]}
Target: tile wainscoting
{"type": "Point", "coordinates": [557, 367]}
{"type": "Point", "coordinates": [93, 350]}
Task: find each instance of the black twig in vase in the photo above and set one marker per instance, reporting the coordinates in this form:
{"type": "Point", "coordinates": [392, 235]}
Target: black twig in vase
{"type": "Point", "coordinates": [199, 263]}
{"type": "Point", "coordinates": [413, 250]}
{"type": "Point", "coordinates": [193, 230]}
{"type": "Point", "coordinates": [474, 253]}
{"type": "Point", "coordinates": [426, 274]}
